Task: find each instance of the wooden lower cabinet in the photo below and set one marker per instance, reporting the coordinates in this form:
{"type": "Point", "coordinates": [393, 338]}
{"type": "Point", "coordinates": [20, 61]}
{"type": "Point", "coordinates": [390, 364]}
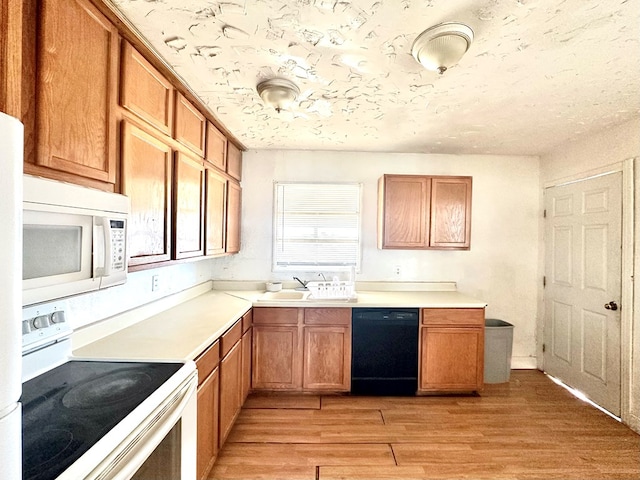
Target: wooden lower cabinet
{"type": "Point", "coordinates": [451, 350]}
{"type": "Point", "coordinates": [208, 411]}
{"type": "Point", "coordinates": [327, 358]}
{"type": "Point", "coordinates": [230, 389]}
{"type": "Point", "coordinates": [276, 357]}
{"type": "Point", "coordinates": [247, 342]}
{"type": "Point", "coordinates": [302, 349]}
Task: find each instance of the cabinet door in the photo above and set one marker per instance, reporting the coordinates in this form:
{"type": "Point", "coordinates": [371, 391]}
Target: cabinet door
{"type": "Point", "coordinates": [189, 125]}
{"type": "Point", "coordinates": [189, 207]}
{"type": "Point", "coordinates": [403, 211]}
{"type": "Point", "coordinates": [234, 161]}
{"type": "Point", "coordinates": [276, 357]}
{"type": "Point", "coordinates": [215, 213]}
{"type": "Point", "coordinates": [246, 364]}
{"type": "Point", "coordinates": [230, 389]}
{"type": "Point", "coordinates": [146, 180]}
{"type": "Point", "coordinates": [76, 87]}
{"type": "Point", "coordinates": [233, 217]}
{"type": "Point", "coordinates": [208, 406]}
{"type": "Point", "coordinates": [216, 151]}
{"type": "Point", "coordinates": [451, 359]}
{"type": "Point", "coordinates": [144, 91]}
{"type": "Point", "coordinates": [450, 212]}
{"type": "Point", "coordinates": [327, 358]}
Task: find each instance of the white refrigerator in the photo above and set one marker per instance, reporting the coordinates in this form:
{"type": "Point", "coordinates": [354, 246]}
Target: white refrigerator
{"type": "Point", "coordinates": [11, 157]}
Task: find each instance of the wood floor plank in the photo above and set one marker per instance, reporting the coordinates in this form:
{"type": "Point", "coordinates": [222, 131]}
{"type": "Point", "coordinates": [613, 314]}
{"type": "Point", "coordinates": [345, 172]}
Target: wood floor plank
{"type": "Point", "coordinates": [526, 429]}
{"type": "Point", "coordinates": [292, 454]}
{"type": "Point", "coordinates": [309, 417]}
{"type": "Point", "coordinates": [282, 400]}
{"type": "Point", "coordinates": [262, 472]}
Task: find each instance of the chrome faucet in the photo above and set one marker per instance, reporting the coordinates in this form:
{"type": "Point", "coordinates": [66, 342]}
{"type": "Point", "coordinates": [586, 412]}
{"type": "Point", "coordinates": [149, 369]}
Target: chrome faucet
{"type": "Point", "coordinates": [304, 284]}
{"type": "Point", "coordinates": [323, 277]}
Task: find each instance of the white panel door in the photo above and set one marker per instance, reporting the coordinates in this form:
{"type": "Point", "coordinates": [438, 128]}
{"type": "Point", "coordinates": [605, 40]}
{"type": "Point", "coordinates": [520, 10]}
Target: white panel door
{"type": "Point", "coordinates": [583, 242]}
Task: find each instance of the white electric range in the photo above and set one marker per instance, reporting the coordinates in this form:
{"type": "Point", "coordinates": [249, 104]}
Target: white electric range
{"type": "Point", "coordinates": [94, 419]}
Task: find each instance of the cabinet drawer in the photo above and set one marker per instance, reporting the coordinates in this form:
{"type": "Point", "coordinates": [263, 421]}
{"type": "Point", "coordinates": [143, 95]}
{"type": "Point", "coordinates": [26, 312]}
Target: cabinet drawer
{"type": "Point", "coordinates": [230, 338]}
{"type": "Point", "coordinates": [453, 316]}
{"type": "Point", "coordinates": [207, 361]}
{"type": "Point", "coordinates": [275, 316]}
{"type": "Point", "coordinates": [247, 321]}
{"type": "Point", "coordinates": [327, 316]}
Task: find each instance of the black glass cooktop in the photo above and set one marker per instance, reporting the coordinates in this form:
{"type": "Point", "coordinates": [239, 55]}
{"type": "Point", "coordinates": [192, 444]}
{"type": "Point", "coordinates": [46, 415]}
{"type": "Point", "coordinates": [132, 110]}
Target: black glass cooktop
{"type": "Point", "coordinates": [68, 409]}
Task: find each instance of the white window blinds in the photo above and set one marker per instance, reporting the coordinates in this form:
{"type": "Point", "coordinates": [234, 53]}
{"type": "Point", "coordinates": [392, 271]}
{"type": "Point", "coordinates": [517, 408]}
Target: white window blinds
{"type": "Point", "coordinates": [316, 226]}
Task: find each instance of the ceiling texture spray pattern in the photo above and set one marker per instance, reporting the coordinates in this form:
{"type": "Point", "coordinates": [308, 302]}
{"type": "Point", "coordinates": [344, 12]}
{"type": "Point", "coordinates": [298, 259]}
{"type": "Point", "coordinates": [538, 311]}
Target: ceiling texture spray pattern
{"type": "Point", "coordinates": [539, 72]}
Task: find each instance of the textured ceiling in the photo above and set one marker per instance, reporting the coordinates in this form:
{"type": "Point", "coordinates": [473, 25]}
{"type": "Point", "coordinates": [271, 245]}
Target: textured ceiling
{"type": "Point", "coordinates": [540, 72]}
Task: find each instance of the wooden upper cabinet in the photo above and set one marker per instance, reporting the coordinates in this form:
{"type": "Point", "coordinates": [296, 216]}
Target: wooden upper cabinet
{"type": "Point", "coordinates": [144, 91]}
{"type": "Point", "coordinates": [147, 181]}
{"type": "Point", "coordinates": [215, 213]}
{"type": "Point", "coordinates": [216, 151]}
{"type": "Point", "coordinates": [76, 87]}
{"type": "Point", "coordinates": [189, 128]}
{"type": "Point", "coordinates": [234, 161]}
{"type": "Point", "coordinates": [189, 207]}
{"type": "Point", "coordinates": [451, 212]}
{"type": "Point", "coordinates": [234, 205]}
{"type": "Point", "coordinates": [403, 211]}
{"type": "Point", "coordinates": [424, 212]}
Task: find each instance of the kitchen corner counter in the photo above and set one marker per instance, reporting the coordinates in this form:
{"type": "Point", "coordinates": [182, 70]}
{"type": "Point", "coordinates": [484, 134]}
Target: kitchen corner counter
{"type": "Point", "coordinates": [179, 333]}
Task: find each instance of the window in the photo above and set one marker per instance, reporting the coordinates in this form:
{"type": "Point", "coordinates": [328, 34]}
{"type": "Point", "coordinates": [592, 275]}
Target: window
{"type": "Point", "coordinates": [316, 226]}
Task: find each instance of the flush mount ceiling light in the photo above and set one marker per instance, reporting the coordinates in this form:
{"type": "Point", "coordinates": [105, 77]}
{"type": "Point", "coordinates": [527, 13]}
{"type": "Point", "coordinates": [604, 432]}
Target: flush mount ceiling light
{"type": "Point", "coordinates": [442, 46]}
{"type": "Point", "coordinates": [280, 93]}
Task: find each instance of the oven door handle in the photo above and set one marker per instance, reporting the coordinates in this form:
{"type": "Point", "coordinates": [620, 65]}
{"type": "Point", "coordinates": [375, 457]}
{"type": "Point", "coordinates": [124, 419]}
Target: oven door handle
{"type": "Point", "coordinates": [125, 461]}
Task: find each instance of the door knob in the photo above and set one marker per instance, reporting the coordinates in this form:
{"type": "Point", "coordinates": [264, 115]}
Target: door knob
{"type": "Point", "coordinates": [611, 306]}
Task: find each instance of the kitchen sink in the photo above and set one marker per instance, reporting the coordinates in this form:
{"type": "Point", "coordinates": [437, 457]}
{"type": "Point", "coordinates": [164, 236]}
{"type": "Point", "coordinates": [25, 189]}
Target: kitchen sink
{"type": "Point", "coordinates": [297, 296]}
{"type": "Point", "coordinates": [283, 296]}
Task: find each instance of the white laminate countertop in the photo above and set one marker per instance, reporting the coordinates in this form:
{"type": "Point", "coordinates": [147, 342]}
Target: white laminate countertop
{"type": "Point", "coordinates": [184, 331]}
{"type": "Point", "coordinates": [371, 299]}
{"type": "Point", "coordinates": [179, 333]}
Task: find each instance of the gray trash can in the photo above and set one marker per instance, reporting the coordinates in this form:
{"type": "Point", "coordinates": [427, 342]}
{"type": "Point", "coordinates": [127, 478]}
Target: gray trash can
{"type": "Point", "coordinates": [498, 340]}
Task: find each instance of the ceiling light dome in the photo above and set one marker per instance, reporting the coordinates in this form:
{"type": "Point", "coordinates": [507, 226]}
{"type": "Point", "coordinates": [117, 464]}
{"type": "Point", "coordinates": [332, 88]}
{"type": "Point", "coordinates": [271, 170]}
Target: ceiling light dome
{"type": "Point", "coordinates": [442, 46]}
{"type": "Point", "coordinates": [280, 93]}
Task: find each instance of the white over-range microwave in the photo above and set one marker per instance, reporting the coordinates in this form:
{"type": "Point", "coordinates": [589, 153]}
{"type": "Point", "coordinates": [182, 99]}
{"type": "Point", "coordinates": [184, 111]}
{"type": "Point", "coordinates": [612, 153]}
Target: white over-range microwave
{"type": "Point", "coordinates": [74, 240]}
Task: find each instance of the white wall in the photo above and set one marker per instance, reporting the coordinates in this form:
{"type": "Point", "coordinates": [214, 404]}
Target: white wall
{"type": "Point", "coordinates": [92, 307]}
{"type": "Point", "coordinates": [501, 268]}
{"type": "Point", "coordinates": [595, 153]}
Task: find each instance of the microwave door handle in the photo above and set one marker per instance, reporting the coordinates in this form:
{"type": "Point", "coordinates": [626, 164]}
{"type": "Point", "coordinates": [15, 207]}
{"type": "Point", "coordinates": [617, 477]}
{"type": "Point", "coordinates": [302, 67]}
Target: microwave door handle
{"type": "Point", "coordinates": [107, 245]}
{"type": "Point", "coordinates": [101, 247]}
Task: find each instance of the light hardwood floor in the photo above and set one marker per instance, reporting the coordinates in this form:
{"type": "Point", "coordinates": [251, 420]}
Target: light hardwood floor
{"type": "Point", "coordinates": [528, 428]}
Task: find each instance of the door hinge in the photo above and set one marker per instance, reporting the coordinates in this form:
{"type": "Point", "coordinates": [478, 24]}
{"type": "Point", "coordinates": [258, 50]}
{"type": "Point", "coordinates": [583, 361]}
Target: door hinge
{"type": "Point", "coordinates": [544, 347]}
{"type": "Point", "coordinates": [544, 281]}
{"type": "Point", "coordinates": [544, 213]}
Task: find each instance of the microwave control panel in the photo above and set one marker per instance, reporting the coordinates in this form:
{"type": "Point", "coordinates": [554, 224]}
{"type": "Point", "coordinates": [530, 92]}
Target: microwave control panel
{"type": "Point", "coordinates": [118, 236]}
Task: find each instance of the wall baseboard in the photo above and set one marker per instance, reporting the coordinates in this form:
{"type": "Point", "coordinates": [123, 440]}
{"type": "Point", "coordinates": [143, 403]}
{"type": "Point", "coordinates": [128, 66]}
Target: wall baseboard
{"type": "Point", "coordinates": [524, 363]}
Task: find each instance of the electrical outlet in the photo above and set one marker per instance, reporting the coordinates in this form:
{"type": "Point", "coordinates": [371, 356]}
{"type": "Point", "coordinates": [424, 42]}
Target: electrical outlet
{"type": "Point", "coordinates": [155, 283]}
{"type": "Point", "coordinates": [397, 270]}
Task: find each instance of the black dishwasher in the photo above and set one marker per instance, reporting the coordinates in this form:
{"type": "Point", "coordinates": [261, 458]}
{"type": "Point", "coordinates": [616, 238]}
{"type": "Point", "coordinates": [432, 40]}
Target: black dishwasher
{"type": "Point", "coordinates": [384, 351]}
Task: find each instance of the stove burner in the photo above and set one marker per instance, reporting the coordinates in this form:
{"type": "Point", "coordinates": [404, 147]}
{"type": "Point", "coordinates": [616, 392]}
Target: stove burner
{"type": "Point", "coordinates": [66, 410]}
{"type": "Point", "coordinates": [107, 390]}
{"type": "Point", "coordinates": [47, 450]}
